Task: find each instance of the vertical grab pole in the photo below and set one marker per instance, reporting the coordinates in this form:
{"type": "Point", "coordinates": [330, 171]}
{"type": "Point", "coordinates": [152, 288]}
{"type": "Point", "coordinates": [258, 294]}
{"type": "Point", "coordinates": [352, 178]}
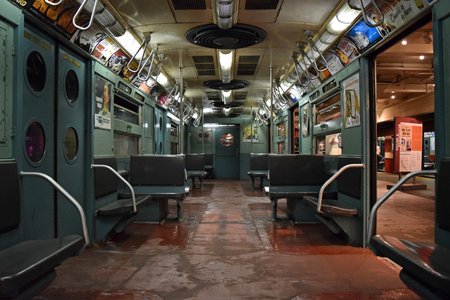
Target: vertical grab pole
{"type": "Point", "coordinates": [203, 130]}
{"type": "Point", "coordinates": [271, 126]}
{"type": "Point", "coordinates": [180, 53]}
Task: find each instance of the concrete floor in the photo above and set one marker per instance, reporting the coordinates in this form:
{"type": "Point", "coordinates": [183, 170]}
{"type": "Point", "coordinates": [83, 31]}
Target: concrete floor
{"type": "Point", "coordinates": [226, 247]}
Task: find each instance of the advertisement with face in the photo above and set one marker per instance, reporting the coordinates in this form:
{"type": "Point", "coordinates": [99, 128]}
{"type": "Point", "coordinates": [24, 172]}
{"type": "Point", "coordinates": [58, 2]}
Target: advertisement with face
{"type": "Point", "coordinates": [103, 90]}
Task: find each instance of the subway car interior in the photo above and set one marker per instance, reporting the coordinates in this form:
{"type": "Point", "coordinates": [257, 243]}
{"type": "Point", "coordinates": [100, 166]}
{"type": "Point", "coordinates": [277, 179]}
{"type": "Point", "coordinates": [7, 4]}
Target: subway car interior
{"type": "Point", "coordinates": [224, 149]}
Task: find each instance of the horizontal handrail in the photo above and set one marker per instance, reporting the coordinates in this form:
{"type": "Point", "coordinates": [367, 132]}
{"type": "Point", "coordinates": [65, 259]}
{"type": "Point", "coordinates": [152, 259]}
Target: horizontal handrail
{"type": "Point", "coordinates": [133, 195]}
{"type": "Point", "coordinates": [68, 196]}
{"type": "Point", "coordinates": [389, 193]}
{"type": "Point", "coordinates": [330, 180]}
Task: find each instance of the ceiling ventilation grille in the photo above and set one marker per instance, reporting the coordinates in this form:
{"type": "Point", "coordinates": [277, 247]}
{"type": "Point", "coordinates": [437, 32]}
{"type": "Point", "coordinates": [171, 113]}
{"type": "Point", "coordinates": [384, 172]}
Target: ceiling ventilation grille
{"type": "Point", "coordinates": [188, 4]}
{"type": "Point", "coordinates": [247, 65]}
{"type": "Point", "coordinates": [213, 95]}
{"type": "Point", "coordinates": [261, 4]}
{"type": "Point", "coordinates": [240, 96]}
{"type": "Point", "coordinates": [204, 65]}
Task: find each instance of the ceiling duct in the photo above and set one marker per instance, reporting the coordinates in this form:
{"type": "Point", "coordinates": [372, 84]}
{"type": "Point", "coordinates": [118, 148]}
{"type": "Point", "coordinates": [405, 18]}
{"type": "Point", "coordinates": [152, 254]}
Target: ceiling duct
{"type": "Point", "coordinates": [238, 36]}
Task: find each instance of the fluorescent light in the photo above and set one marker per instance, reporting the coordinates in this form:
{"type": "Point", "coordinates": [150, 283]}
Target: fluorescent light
{"type": "Point", "coordinates": [226, 111]}
{"type": "Point", "coordinates": [343, 19]}
{"type": "Point", "coordinates": [162, 79]}
{"type": "Point", "coordinates": [224, 10]}
{"type": "Point", "coordinates": [207, 110]}
{"type": "Point", "coordinates": [226, 62]}
{"type": "Point", "coordinates": [226, 96]}
{"type": "Point", "coordinates": [130, 44]}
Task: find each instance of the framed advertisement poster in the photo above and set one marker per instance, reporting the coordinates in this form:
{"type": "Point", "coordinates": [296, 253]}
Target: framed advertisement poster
{"type": "Point", "coordinates": [103, 94]}
{"type": "Point", "coordinates": [352, 109]}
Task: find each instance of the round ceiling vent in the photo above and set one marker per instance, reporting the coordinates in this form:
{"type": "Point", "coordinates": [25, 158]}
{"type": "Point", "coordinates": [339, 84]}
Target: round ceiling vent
{"type": "Point", "coordinates": [219, 85]}
{"type": "Point", "coordinates": [238, 36]}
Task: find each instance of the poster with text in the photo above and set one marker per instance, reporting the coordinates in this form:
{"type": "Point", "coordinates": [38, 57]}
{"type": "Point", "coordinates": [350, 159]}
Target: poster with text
{"type": "Point", "coordinates": [410, 146]}
{"type": "Point", "coordinates": [351, 95]}
{"type": "Point", "coordinates": [103, 94]}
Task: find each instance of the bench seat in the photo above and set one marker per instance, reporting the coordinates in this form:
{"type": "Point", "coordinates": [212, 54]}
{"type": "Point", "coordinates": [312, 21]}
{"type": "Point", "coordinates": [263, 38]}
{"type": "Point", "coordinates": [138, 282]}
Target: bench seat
{"type": "Point", "coordinates": [26, 262]}
{"type": "Point", "coordinates": [121, 207]}
{"type": "Point", "coordinates": [425, 266]}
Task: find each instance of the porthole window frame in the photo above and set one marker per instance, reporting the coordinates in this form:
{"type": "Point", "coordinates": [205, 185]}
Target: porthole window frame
{"type": "Point", "coordinates": [24, 146]}
{"type": "Point", "coordinates": [63, 146]}
{"type": "Point", "coordinates": [30, 88]}
{"type": "Point", "coordinates": [70, 102]}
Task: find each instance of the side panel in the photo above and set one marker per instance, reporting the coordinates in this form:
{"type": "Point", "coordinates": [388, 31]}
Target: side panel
{"type": "Point", "coordinates": [441, 44]}
{"type": "Point", "coordinates": [6, 89]}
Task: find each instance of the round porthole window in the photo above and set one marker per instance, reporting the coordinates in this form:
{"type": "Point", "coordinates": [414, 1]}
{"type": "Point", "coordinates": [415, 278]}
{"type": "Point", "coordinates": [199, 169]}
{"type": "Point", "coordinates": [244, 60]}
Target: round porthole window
{"type": "Point", "coordinates": [36, 71]}
{"type": "Point", "coordinates": [35, 142]}
{"type": "Point", "coordinates": [227, 140]}
{"type": "Point", "coordinates": [71, 144]}
{"type": "Point", "coordinates": [72, 87]}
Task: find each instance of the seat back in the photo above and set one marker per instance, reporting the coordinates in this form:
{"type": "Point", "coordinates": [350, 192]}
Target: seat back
{"type": "Point", "coordinates": [105, 181]}
{"type": "Point", "coordinates": [349, 182]}
{"type": "Point", "coordinates": [294, 170]}
{"type": "Point", "coordinates": [157, 170]}
{"type": "Point", "coordinates": [10, 200]}
{"type": "Point", "coordinates": [442, 194]}
{"type": "Point", "coordinates": [195, 162]}
{"type": "Point", "coordinates": [209, 159]}
{"type": "Point", "coordinates": [259, 161]}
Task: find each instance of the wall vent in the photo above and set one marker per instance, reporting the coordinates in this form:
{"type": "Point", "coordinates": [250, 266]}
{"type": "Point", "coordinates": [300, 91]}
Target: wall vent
{"type": "Point", "coordinates": [261, 4]}
{"type": "Point", "coordinates": [247, 65]}
{"type": "Point", "coordinates": [188, 4]}
{"type": "Point", "coordinates": [204, 65]}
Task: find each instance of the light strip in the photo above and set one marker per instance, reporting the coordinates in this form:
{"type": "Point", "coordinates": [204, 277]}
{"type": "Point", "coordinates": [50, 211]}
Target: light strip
{"type": "Point", "coordinates": [226, 62]}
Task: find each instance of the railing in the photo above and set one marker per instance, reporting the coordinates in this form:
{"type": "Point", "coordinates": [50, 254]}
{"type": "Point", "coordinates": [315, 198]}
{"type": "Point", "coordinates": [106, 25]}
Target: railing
{"type": "Point", "coordinates": [133, 196]}
{"type": "Point", "coordinates": [389, 193]}
{"type": "Point", "coordinates": [330, 180]}
{"type": "Point", "coordinates": [68, 196]}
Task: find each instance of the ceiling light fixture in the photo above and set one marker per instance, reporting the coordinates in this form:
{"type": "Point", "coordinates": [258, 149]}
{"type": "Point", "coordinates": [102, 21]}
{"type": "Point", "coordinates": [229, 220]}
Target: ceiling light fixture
{"type": "Point", "coordinates": [226, 96]}
{"type": "Point", "coordinates": [225, 62]}
{"type": "Point", "coordinates": [224, 12]}
{"type": "Point", "coordinates": [404, 42]}
{"type": "Point", "coordinates": [422, 57]}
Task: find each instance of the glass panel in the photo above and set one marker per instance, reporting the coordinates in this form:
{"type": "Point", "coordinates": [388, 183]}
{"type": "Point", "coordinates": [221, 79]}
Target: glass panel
{"type": "Point", "coordinates": [227, 140]}
{"type": "Point", "coordinates": [72, 86]}
{"type": "Point", "coordinates": [35, 142]}
{"type": "Point", "coordinates": [36, 71]}
{"type": "Point", "coordinates": [71, 144]}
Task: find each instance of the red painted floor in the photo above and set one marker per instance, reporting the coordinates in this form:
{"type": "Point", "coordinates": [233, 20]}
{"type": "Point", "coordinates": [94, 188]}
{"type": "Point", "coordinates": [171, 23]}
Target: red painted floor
{"type": "Point", "coordinates": [226, 247]}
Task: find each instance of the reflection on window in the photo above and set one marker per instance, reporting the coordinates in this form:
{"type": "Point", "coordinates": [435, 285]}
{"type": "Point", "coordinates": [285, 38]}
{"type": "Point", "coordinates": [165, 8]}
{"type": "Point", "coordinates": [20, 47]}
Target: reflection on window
{"type": "Point", "coordinates": [35, 142]}
{"type": "Point", "coordinates": [125, 145]}
{"type": "Point", "coordinates": [227, 140]}
{"type": "Point", "coordinates": [71, 144]}
{"type": "Point", "coordinates": [36, 71]}
{"type": "Point", "coordinates": [72, 86]}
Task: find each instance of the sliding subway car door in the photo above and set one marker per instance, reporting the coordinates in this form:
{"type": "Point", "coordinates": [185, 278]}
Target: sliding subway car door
{"type": "Point", "coordinates": [71, 139]}
{"type": "Point", "coordinates": [38, 213]}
